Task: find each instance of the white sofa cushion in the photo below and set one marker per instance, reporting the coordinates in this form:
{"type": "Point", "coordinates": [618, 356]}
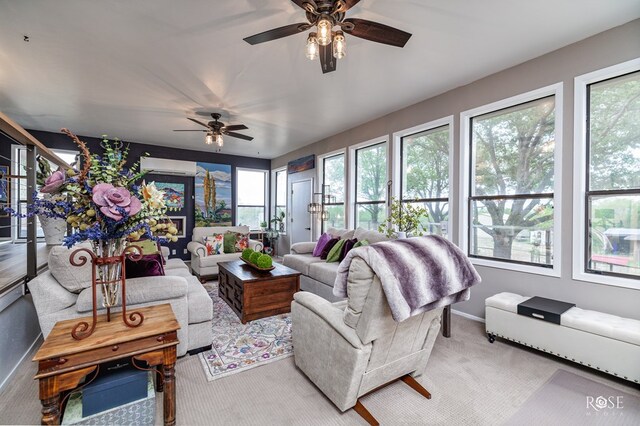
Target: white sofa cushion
{"type": "Point", "coordinates": [213, 260]}
{"type": "Point", "coordinates": [371, 236]}
{"type": "Point", "coordinates": [200, 303]}
{"type": "Point", "coordinates": [73, 278]}
{"type": "Point", "coordinates": [139, 290]}
{"type": "Point", "coordinates": [301, 262]}
{"type": "Point", "coordinates": [324, 272]}
{"type": "Point", "coordinates": [607, 325]}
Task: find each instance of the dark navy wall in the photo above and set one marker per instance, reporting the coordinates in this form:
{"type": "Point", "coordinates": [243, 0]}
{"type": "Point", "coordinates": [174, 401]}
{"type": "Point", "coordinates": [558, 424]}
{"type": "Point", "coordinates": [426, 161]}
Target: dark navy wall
{"type": "Point", "coordinates": [61, 141]}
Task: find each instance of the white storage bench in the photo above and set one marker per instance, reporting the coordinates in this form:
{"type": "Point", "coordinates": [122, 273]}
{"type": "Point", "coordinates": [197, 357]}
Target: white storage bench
{"type": "Point", "coordinates": [605, 342]}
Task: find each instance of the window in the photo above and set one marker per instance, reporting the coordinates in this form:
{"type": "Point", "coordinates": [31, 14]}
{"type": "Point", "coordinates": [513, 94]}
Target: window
{"type": "Point", "coordinates": [333, 191]}
{"type": "Point", "coordinates": [251, 191]}
{"type": "Point", "coordinates": [370, 185]}
{"type": "Point", "coordinates": [511, 212]}
{"type": "Point", "coordinates": [424, 175]}
{"type": "Point", "coordinates": [20, 189]}
{"type": "Point", "coordinates": [611, 204]}
{"type": "Point", "coordinates": [281, 196]}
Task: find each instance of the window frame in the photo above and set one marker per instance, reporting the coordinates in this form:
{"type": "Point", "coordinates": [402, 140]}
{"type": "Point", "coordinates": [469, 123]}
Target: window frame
{"type": "Point", "coordinates": [581, 170]}
{"type": "Point", "coordinates": [266, 192]}
{"type": "Point", "coordinates": [320, 179]}
{"type": "Point", "coordinates": [352, 195]}
{"type": "Point", "coordinates": [397, 162]}
{"type": "Point", "coordinates": [274, 196]}
{"type": "Point", "coordinates": [464, 225]}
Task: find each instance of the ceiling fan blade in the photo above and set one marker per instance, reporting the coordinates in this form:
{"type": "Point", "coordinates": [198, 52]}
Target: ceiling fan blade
{"type": "Point", "coordinates": [190, 130]}
{"type": "Point", "coordinates": [237, 135]}
{"type": "Point", "coordinates": [350, 3]}
{"type": "Point", "coordinates": [377, 32]}
{"type": "Point", "coordinates": [277, 33]}
{"type": "Point", "coordinates": [199, 122]}
{"type": "Point", "coordinates": [327, 61]}
{"type": "Point", "coordinates": [234, 127]}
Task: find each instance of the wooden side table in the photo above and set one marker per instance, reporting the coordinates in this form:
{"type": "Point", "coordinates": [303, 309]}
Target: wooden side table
{"type": "Point", "coordinates": [64, 361]}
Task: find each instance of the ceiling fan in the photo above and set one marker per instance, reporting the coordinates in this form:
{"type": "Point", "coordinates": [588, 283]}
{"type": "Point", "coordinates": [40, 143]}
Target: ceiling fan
{"type": "Point", "coordinates": [326, 42]}
{"type": "Point", "coordinates": [215, 130]}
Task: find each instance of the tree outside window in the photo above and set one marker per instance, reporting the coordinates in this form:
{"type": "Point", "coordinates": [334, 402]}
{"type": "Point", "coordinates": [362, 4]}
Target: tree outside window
{"type": "Point", "coordinates": [251, 197]}
{"type": "Point", "coordinates": [333, 182]}
{"type": "Point", "coordinates": [512, 183]}
{"type": "Point", "coordinates": [371, 186]}
{"type": "Point", "coordinates": [613, 177]}
{"type": "Point", "coordinates": [425, 176]}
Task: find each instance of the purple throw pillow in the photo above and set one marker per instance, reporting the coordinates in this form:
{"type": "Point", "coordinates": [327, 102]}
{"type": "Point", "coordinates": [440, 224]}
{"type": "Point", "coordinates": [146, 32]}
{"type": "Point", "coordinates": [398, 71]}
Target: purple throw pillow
{"type": "Point", "coordinates": [327, 248]}
{"type": "Point", "coordinates": [149, 266]}
{"type": "Point", "coordinates": [348, 245]}
{"type": "Point", "coordinates": [322, 241]}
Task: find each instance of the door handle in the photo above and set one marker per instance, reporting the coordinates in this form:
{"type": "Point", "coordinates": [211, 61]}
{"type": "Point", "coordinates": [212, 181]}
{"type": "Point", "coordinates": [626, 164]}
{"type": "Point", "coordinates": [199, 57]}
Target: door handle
{"type": "Point", "coordinates": [308, 229]}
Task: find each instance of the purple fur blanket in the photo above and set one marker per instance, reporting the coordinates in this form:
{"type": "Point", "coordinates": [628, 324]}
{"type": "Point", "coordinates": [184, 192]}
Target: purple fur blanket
{"type": "Point", "coordinates": [417, 274]}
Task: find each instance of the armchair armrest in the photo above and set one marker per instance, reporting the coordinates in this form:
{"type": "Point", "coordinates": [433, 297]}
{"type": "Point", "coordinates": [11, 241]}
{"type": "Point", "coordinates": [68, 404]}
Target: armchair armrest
{"type": "Point", "coordinates": [197, 249]}
{"type": "Point", "coordinates": [303, 248]}
{"type": "Point", "coordinates": [331, 314]}
{"type": "Point", "coordinates": [254, 243]}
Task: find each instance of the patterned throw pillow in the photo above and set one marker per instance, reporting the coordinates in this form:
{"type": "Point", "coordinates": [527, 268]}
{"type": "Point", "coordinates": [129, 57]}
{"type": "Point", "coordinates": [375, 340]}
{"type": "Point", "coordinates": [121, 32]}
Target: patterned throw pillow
{"type": "Point", "coordinates": [334, 253]}
{"type": "Point", "coordinates": [214, 244]}
{"type": "Point", "coordinates": [242, 242]}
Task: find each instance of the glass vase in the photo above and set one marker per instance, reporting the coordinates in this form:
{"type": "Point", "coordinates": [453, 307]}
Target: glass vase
{"type": "Point", "coordinates": [109, 269]}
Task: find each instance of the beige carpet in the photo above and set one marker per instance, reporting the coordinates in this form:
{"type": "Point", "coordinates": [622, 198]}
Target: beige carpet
{"type": "Point", "coordinates": [472, 381]}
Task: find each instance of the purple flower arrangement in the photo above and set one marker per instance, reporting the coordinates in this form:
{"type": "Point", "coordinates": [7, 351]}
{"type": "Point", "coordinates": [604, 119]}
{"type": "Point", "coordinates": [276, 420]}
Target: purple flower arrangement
{"type": "Point", "coordinates": [102, 200]}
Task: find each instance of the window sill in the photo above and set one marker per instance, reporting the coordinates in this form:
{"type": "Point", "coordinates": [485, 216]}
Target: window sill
{"type": "Point", "coordinates": [529, 269]}
{"type": "Point", "coordinates": [629, 283]}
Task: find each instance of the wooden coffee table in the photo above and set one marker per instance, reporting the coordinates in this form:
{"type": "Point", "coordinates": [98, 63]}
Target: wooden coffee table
{"type": "Point", "coordinates": [254, 294]}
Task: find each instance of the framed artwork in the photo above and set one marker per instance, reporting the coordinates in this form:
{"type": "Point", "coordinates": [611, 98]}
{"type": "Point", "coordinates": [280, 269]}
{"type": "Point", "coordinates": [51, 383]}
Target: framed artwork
{"type": "Point", "coordinates": [174, 194]}
{"type": "Point", "coordinates": [213, 194]}
{"type": "Point", "coordinates": [180, 223]}
{"type": "Point", "coordinates": [301, 164]}
{"type": "Point", "coordinates": [5, 190]}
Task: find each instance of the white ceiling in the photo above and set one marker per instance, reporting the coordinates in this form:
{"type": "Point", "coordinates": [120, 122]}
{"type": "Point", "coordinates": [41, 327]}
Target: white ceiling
{"type": "Point", "coordinates": [137, 69]}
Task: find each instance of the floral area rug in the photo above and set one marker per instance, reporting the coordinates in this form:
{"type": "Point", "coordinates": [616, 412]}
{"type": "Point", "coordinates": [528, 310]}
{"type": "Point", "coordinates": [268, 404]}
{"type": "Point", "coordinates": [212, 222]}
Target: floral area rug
{"type": "Point", "coordinates": [239, 347]}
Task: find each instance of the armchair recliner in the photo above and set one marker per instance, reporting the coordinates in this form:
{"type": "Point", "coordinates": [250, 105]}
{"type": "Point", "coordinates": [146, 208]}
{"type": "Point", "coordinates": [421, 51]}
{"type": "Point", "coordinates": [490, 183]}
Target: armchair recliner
{"type": "Point", "coordinates": [352, 347]}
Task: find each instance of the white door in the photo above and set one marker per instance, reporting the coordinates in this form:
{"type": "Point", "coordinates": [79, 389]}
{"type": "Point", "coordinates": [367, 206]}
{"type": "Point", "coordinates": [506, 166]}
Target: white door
{"type": "Point", "coordinates": [300, 220]}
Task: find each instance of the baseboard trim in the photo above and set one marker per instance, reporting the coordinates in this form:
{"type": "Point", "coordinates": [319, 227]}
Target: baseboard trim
{"type": "Point", "coordinates": [466, 315]}
{"type": "Point", "coordinates": [15, 367]}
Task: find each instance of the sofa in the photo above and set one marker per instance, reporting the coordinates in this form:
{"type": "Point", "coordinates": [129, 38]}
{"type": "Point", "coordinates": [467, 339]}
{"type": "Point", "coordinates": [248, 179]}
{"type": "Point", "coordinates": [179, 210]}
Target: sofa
{"type": "Point", "coordinates": [64, 292]}
{"type": "Point", "coordinates": [350, 348]}
{"type": "Point", "coordinates": [318, 276]}
{"type": "Point", "coordinates": [206, 267]}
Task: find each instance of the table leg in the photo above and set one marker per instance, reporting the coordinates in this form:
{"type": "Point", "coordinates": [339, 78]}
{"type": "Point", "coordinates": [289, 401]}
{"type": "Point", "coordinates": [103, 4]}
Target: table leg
{"type": "Point", "coordinates": [169, 400]}
{"type": "Point", "coordinates": [51, 411]}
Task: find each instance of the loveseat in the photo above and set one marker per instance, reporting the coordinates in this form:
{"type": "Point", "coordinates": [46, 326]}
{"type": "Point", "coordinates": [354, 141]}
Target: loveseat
{"type": "Point", "coordinates": [64, 292]}
{"type": "Point", "coordinates": [318, 276]}
{"type": "Point", "coordinates": [206, 266]}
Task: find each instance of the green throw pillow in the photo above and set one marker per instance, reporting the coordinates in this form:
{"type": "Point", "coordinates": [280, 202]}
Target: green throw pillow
{"type": "Point", "coordinates": [334, 253]}
{"type": "Point", "coordinates": [361, 243]}
{"type": "Point", "coordinates": [229, 242]}
{"type": "Point", "coordinates": [147, 246]}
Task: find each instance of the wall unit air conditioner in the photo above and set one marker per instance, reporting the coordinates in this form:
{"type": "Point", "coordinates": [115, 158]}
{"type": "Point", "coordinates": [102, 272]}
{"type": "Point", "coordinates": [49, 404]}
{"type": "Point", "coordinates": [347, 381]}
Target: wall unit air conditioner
{"type": "Point", "coordinates": [163, 166]}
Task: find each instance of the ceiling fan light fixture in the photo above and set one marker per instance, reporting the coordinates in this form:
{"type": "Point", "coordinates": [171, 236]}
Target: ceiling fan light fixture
{"type": "Point", "coordinates": [324, 30]}
{"type": "Point", "coordinates": [312, 46]}
{"type": "Point", "coordinates": [339, 45]}
{"type": "Point", "coordinates": [208, 139]}
{"type": "Point", "coordinates": [219, 140]}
